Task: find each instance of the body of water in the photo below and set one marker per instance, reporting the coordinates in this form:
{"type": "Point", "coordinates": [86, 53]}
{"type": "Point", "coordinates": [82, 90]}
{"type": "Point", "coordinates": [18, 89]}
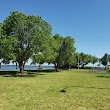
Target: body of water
{"type": "Point", "coordinates": [27, 67]}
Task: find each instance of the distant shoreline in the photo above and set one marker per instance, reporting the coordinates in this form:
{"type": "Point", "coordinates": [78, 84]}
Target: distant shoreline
{"type": "Point", "coordinates": [27, 67]}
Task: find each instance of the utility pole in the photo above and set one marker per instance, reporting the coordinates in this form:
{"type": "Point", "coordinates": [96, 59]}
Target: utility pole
{"type": "Point", "coordinates": [108, 59]}
{"type": "Point", "coordinates": [108, 63]}
{"type": "Point", "coordinates": [78, 60]}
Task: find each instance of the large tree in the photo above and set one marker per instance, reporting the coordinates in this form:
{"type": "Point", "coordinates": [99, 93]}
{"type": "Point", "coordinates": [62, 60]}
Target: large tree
{"type": "Point", "coordinates": [29, 34]}
{"type": "Point", "coordinates": [62, 50]}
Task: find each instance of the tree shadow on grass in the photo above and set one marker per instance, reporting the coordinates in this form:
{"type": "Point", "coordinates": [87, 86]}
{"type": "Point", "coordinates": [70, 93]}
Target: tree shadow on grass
{"type": "Point", "coordinates": [103, 76]}
{"type": "Point", "coordinates": [23, 75]}
{"type": "Point", "coordinates": [42, 70]}
{"type": "Point", "coordinates": [92, 87]}
{"type": "Point", "coordinates": [19, 75]}
{"type": "Point", "coordinates": [84, 87]}
{"type": "Point", "coordinates": [8, 72]}
{"type": "Point", "coordinates": [30, 73]}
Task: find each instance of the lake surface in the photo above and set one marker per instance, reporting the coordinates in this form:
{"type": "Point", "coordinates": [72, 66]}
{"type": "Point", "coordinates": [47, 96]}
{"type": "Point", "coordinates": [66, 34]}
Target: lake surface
{"type": "Point", "coordinates": [27, 67]}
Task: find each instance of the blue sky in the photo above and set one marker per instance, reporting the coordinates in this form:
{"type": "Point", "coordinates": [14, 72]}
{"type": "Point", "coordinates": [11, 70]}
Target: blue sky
{"type": "Point", "coordinates": [88, 21]}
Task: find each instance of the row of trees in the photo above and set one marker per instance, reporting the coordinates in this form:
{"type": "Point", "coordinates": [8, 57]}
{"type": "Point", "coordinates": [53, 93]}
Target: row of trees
{"type": "Point", "coordinates": [59, 52]}
{"type": "Point", "coordinates": [24, 36]}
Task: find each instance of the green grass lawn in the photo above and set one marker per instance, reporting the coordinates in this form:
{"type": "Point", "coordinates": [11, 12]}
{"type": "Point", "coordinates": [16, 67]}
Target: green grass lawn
{"type": "Point", "coordinates": [84, 90]}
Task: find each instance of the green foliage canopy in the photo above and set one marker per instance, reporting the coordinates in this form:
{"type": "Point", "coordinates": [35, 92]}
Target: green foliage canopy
{"type": "Point", "coordinates": [29, 34]}
{"type": "Point", "coordinates": [104, 60]}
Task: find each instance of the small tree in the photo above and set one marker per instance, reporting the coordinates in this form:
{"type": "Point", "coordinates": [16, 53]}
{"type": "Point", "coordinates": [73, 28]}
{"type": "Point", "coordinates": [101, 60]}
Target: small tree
{"type": "Point", "coordinates": [72, 61]}
{"type": "Point", "coordinates": [94, 60]}
{"type": "Point", "coordinates": [84, 59]}
{"type": "Point", "coordinates": [104, 60]}
{"type": "Point", "coordinates": [66, 51]}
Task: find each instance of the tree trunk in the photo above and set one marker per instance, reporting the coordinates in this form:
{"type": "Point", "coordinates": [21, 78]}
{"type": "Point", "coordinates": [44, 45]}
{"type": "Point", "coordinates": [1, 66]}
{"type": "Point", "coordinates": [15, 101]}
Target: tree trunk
{"type": "Point", "coordinates": [21, 67]}
{"type": "Point", "coordinates": [0, 65]}
{"type": "Point", "coordinates": [82, 66]}
{"type": "Point", "coordinates": [56, 67]}
{"type": "Point", "coordinates": [16, 65]}
{"type": "Point", "coordinates": [69, 67]}
{"type": "Point", "coordinates": [93, 65]}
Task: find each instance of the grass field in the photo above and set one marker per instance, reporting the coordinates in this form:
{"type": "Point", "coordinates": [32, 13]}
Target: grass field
{"type": "Point", "coordinates": [84, 90]}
